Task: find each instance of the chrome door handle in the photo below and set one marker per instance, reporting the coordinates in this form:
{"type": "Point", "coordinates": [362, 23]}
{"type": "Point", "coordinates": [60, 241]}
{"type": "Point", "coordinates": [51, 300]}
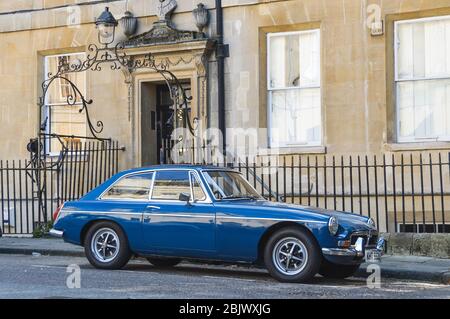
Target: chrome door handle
{"type": "Point", "coordinates": [150, 207]}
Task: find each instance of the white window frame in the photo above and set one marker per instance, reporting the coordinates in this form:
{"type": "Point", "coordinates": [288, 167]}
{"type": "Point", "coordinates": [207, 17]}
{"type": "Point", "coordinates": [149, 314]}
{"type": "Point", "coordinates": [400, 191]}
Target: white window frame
{"type": "Point", "coordinates": [270, 90]}
{"type": "Point", "coordinates": [47, 105]}
{"type": "Point", "coordinates": [397, 80]}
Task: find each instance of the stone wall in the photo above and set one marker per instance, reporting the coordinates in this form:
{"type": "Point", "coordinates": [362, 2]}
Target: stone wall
{"type": "Point", "coordinates": [430, 245]}
{"type": "Point", "coordinates": [356, 114]}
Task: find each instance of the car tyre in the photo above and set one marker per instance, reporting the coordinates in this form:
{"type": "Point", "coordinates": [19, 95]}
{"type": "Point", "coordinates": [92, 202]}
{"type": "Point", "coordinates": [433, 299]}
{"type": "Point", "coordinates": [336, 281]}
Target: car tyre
{"type": "Point", "coordinates": [111, 243]}
{"type": "Point", "coordinates": [163, 262]}
{"type": "Point", "coordinates": [302, 250]}
{"type": "Point", "coordinates": [335, 271]}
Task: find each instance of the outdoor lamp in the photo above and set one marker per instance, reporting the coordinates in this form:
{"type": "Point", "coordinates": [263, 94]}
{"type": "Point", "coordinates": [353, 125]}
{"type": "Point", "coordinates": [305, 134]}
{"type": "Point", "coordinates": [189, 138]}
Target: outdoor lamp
{"type": "Point", "coordinates": [106, 25]}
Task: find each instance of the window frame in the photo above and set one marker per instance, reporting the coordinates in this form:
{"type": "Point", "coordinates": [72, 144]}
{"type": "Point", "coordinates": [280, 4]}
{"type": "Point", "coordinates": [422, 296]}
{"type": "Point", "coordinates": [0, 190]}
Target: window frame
{"type": "Point", "coordinates": [397, 80]}
{"type": "Point", "coordinates": [48, 105]}
{"type": "Point", "coordinates": [100, 198]}
{"type": "Point", "coordinates": [190, 172]}
{"type": "Point", "coordinates": [269, 90]}
{"type": "Point", "coordinates": [205, 171]}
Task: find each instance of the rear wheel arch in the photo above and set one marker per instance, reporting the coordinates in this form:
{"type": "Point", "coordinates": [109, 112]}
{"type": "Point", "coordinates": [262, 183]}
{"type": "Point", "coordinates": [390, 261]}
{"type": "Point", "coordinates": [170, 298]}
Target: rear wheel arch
{"type": "Point", "coordinates": [88, 226]}
{"type": "Point", "coordinates": [272, 230]}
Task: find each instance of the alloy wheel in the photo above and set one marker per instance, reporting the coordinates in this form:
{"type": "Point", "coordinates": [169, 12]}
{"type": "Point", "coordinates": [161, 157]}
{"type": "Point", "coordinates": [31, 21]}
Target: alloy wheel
{"type": "Point", "coordinates": [290, 256]}
{"type": "Point", "coordinates": [105, 245]}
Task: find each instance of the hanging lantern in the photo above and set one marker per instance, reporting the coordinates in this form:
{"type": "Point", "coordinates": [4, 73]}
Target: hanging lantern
{"type": "Point", "coordinates": [106, 25]}
{"type": "Point", "coordinates": [201, 15]}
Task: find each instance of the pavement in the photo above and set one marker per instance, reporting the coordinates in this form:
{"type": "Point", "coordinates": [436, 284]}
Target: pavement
{"type": "Point", "coordinates": [426, 269]}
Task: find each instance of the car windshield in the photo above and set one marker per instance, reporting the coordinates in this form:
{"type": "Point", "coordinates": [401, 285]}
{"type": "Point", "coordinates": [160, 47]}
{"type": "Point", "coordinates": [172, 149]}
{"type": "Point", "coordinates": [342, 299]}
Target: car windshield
{"type": "Point", "coordinates": [230, 185]}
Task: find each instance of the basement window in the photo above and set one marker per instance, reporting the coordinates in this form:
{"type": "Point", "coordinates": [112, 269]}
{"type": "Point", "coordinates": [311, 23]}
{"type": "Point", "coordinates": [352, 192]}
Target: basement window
{"type": "Point", "coordinates": [421, 228]}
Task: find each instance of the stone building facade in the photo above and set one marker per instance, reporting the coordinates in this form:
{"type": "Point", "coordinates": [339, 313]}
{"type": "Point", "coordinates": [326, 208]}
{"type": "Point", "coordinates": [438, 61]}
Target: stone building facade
{"type": "Point", "coordinates": [303, 77]}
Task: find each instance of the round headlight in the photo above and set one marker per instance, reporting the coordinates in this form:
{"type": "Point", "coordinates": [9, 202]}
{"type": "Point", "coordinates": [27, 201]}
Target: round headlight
{"type": "Point", "coordinates": [333, 225]}
{"type": "Point", "coordinates": [371, 223]}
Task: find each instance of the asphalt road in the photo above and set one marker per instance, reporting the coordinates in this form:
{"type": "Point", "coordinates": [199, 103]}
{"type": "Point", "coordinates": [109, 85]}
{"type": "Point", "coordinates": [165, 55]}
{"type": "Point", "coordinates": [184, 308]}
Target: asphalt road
{"type": "Point", "coordinates": [46, 277]}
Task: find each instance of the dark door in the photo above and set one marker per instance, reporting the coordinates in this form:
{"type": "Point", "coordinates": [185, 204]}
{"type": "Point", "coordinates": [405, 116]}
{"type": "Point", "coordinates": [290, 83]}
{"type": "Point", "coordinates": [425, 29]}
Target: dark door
{"type": "Point", "coordinates": [164, 124]}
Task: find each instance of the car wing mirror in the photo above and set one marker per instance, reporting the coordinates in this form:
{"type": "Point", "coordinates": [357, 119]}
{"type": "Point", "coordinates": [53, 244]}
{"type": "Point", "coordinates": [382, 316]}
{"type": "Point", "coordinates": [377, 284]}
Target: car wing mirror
{"type": "Point", "coordinates": [185, 198]}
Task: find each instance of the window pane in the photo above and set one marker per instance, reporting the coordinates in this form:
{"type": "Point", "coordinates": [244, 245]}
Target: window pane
{"type": "Point", "coordinates": [199, 195]}
{"type": "Point", "coordinates": [405, 56]}
{"type": "Point", "coordinates": [435, 49]}
{"type": "Point", "coordinates": [62, 118]}
{"type": "Point", "coordinates": [423, 53]}
{"type": "Point", "coordinates": [296, 117]}
{"type": "Point", "coordinates": [229, 185]}
{"type": "Point", "coordinates": [310, 59]}
{"type": "Point", "coordinates": [170, 184]}
{"type": "Point", "coordinates": [405, 97]}
{"type": "Point", "coordinates": [276, 53]}
{"type": "Point", "coordinates": [447, 112]}
{"type": "Point", "coordinates": [136, 187]}
{"type": "Point", "coordinates": [60, 89]}
{"type": "Point", "coordinates": [423, 49]}
{"type": "Point", "coordinates": [294, 60]}
{"type": "Point", "coordinates": [423, 108]}
{"type": "Point", "coordinates": [66, 120]}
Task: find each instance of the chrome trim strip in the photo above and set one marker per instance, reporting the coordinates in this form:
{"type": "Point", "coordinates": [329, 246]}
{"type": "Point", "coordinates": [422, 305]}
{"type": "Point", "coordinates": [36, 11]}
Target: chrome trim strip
{"type": "Point", "coordinates": [180, 215]}
{"type": "Point", "coordinates": [103, 213]}
{"type": "Point", "coordinates": [275, 219]}
{"type": "Point", "coordinates": [339, 252]}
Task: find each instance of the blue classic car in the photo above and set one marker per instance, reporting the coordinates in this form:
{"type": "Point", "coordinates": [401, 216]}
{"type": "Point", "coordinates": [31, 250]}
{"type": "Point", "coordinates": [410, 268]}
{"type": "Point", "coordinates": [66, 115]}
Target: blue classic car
{"type": "Point", "coordinates": [170, 213]}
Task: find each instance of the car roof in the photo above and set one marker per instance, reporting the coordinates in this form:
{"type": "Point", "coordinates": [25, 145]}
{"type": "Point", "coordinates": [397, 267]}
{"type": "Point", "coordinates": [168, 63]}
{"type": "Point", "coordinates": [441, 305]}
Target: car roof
{"type": "Point", "coordinates": [176, 167]}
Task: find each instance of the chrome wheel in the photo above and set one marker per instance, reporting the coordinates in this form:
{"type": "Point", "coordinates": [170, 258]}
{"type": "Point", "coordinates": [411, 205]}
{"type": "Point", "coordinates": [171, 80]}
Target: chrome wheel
{"type": "Point", "coordinates": [290, 256]}
{"type": "Point", "coordinates": [105, 245]}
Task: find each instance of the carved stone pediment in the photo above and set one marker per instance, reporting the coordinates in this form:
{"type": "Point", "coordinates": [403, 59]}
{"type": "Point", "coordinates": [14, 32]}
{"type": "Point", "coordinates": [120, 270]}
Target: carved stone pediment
{"type": "Point", "coordinates": [163, 33]}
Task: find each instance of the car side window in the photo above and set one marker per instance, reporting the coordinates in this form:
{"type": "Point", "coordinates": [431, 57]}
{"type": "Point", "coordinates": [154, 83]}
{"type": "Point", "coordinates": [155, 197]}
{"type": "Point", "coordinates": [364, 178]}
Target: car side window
{"type": "Point", "coordinates": [199, 194]}
{"type": "Point", "coordinates": [170, 184]}
{"type": "Point", "coordinates": [134, 187]}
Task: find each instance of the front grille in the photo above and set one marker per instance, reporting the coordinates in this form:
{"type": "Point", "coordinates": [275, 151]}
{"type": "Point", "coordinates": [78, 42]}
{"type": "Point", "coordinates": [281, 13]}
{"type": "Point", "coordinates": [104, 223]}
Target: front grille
{"type": "Point", "coordinates": [373, 240]}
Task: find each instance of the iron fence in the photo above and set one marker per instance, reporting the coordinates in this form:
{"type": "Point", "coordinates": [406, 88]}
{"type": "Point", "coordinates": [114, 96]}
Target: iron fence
{"type": "Point", "coordinates": [29, 194]}
{"type": "Point", "coordinates": [401, 192]}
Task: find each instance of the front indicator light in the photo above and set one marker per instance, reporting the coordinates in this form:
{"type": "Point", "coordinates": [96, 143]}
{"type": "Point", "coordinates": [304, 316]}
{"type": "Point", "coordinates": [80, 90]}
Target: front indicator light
{"type": "Point", "coordinates": [344, 243]}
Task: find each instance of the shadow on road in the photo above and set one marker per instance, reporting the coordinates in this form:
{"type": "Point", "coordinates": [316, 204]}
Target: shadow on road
{"type": "Point", "coordinates": [232, 271]}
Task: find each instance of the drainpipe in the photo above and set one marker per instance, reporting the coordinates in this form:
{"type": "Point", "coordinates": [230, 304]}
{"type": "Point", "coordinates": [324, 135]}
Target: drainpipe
{"type": "Point", "coordinates": [222, 52]}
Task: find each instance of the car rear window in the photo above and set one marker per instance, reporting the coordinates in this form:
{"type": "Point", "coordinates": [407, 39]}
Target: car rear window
{"type": "Point", "coordinates": [134, 187]}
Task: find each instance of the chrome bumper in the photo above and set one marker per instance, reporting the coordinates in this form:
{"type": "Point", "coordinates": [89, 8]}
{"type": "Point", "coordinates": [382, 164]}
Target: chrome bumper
{"type": "Point", "coordinates": [56, 233]}
{"type": "Point", "coordinates": [358, 250]}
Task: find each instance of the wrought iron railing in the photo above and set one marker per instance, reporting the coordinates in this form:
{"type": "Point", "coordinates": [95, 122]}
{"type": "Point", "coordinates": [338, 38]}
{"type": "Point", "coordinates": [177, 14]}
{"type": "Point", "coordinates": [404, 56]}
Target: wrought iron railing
{"type": "Point", "coordinates": [401, 192]}
{"type": "Point", "coordinates": [83, 166]}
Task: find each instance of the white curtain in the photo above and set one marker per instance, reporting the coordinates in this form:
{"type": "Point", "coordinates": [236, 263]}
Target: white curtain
{"type": "Point", "coordinates": [423, 75]}
{"type": "Point", "coordinates": [294, 89]}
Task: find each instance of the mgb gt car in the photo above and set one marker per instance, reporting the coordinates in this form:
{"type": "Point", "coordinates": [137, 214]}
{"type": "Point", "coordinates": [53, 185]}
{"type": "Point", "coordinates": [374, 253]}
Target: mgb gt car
{"type": "Point", "coordinates": [170, 213]}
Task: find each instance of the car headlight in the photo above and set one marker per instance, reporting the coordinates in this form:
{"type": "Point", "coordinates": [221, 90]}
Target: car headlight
{"type": "Point", "coordinates": [333, 225]}
{"type": "Point", "coordinates": [371, 223]}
